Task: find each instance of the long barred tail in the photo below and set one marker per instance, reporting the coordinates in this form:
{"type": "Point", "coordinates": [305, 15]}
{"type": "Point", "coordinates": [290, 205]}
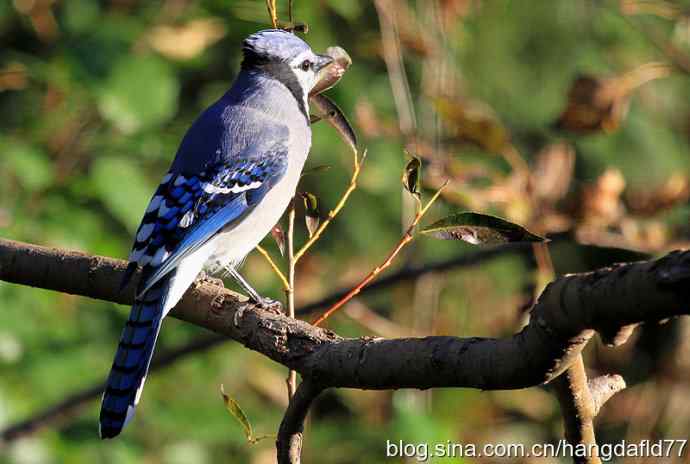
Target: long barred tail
{"type": "Point", "coordinates": [128, 374]}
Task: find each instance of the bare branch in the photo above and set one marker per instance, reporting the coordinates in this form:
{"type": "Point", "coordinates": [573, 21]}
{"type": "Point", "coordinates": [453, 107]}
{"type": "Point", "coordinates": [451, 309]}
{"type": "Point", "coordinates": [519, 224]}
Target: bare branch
{"type": "Point", "coordinates": [603, 388]}
{"type": "Point", "coordinates": [404, 240]}
{"type": "Point", "coordinates": [357, 167]}
{"type": "Point", "coordinates": [289, 440]}
{"type": "Point", "coordinates": [69, 407]}
{"type": "Point", "coordinates": [565, 317]}
{"type": "Point", "coordinates": [578, 411]}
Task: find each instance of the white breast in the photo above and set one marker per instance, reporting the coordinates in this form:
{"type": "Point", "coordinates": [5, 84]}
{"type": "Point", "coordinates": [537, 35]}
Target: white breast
{"type": "Point", "coordinates": [232, 245]}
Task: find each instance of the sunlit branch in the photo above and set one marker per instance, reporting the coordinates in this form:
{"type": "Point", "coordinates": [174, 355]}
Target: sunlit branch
{"type": "Point", "coordinates": [406, 238]}
{"type": "Point", "coordinates": [334, 212]}
{"type": "Point", "coordinates": [274, 266]}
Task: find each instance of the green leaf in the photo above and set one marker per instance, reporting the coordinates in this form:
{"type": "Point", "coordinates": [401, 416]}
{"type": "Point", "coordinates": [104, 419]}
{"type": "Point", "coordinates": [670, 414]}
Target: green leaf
{"type": "Point", "coordinates": [410, 177]}
{"type": "Point", "coordinates": [480, 229]}
{"type": "Point", "coordinates": [234, 408]}
{"type": "Point", "coordinates": [349, 10]}
{"type": "Point", "coordinates": [29, 164]}
{"type": "Point", "coordinates": [125, 200]}
{"type": "Point", "coordinates": [141, 92]}
{"type": "Point", "coordinates": [316, 170]}
{"type": "Point", "coordinates": [311, 212]}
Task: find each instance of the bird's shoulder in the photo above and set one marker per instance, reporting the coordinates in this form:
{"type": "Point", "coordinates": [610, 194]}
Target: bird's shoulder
{"type": "Point", "coordinates": [225, 132]}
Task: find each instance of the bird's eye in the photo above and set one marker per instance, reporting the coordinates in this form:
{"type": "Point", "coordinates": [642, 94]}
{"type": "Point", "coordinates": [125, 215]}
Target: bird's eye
{"type": "Point", "coordinates": [306, 65]}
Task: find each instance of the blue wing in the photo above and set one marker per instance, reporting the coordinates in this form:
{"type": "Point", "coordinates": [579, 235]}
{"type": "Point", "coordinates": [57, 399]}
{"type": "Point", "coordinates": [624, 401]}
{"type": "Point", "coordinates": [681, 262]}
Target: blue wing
{"type": "Point", "coordinates": [187, 211]}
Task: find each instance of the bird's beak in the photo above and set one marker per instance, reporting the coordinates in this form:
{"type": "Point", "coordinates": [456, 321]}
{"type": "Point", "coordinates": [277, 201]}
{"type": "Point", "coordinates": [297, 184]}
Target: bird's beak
{"type": "Point", "coordinates": [322, 62]}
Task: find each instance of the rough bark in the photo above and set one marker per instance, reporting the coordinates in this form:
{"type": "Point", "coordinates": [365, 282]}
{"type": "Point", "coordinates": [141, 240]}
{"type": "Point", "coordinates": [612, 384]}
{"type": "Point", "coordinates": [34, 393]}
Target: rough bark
{"type": "Point", "coordinates": [610, 301]}
{"type": "Point", "coordinates": [569, 311]}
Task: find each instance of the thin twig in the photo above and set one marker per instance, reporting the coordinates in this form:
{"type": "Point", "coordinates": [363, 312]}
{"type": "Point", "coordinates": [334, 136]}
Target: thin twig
{"type": "Point", "coordinates": [290, 11]}
{"type": "Point", "coordinates": [274, 266]}
{"type": "Point", "coordinates": [373, 322]}
{"type": "Point", "coordinates": [677, 58]}
{"type": "Point", "coordinates": [333, 213]}
{"type": "Point", "coordinates": [393, 56]}
{"type": "Point", "coordinates": [272, 12]}
{"type": "Point", "coordinates": [406, 238]}
{"type": "Point", "coordinates": [290, 292]}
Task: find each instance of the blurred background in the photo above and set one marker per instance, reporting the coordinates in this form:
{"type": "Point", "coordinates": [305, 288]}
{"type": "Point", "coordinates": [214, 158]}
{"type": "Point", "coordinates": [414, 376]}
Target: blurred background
{"type": "Point", "coordinates": [570, 117]}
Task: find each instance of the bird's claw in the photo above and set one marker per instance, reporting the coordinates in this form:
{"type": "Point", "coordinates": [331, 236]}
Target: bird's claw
{"type": "Point", "coordinates": [269, 304]}
{"type": "Point", "coordinates": [206, 278]}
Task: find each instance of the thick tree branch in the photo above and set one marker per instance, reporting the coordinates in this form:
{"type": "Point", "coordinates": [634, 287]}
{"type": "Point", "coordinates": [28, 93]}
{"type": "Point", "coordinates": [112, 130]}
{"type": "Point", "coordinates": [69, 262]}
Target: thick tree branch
{"type": "Point", "coordinates": [564, 318]}
{"type": "Point", "coordinates": [580, 401]}
{"type": "Point", "coordinates": [289, 440]}
{"type": "Point", "coordinates": [15, 253]}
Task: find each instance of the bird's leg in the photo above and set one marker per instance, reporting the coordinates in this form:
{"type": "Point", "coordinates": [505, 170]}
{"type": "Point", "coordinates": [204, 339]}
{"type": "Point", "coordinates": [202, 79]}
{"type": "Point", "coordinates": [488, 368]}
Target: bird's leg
{"type": "Point", "coordinates": [204, 277]}
{"type": "Point", "coordinates": [266, 303]}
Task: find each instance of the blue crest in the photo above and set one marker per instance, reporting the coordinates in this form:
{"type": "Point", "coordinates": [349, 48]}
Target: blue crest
{"type": "Point", "coordinates": [272, 45]}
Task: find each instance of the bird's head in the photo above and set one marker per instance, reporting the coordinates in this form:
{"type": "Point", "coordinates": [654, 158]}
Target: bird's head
{"type": "Point", "coordinates": [286, 57]}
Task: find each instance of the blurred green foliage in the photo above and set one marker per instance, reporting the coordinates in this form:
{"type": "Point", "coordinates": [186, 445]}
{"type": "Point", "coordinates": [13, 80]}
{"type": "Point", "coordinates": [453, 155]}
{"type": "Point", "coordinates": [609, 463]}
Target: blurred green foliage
{"type": "Point", "coordinates": [95, 97]}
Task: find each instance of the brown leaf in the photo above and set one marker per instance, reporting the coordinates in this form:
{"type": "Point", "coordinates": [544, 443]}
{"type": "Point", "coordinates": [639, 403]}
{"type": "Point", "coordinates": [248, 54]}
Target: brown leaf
{"type": "Point", "coordinates": [479, 229]}
{"type": "Point", "coordinates": [600, 104]}
{"type": "Point", "coordinates": [331, 74]}
{"type": "Point", "coordinates": [311, 212]}
{"type": "Point", "coordinates": [327, 110]}
{"type": "Point", "coordinates": [279, 236]}
{"type": "Point", "coordinates": [553, 172]}
{"type": "Point", "coordinates": [674, 191]}
{"type": "Point", "coordinates": [473, 122]}
{"type": "Point", "coordinates": [188, 40]}
{"type": "Point", "coordinates": [601, 202]}
{"type": "Point", "coordinates": [593, 105]}
{"type": "Point", "coordinates": [410, 177]}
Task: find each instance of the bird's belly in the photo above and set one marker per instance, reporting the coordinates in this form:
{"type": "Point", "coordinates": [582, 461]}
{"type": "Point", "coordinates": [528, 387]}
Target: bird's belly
{"type": "Point", "coordinates": [231, 246]}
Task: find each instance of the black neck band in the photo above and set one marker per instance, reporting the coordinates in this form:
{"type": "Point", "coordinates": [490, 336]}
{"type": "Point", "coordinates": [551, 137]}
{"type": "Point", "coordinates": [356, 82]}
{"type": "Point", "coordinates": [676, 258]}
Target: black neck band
{"type": "Point", "coordinates": [281, 72]}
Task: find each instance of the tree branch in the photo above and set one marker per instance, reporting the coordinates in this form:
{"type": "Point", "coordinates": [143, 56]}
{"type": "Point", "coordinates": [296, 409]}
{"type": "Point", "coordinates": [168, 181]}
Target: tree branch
{"type": "Point", "coordinates": [603, 388]}
{"type": "Point", "coordinates": [571, 309]}
{"type": "Point", "coordinates": [289, 440]}
{"type": "Point", "coordinates": [70, 406]}
{"type": "Point", "coordinates": [566, 315]}
{"type": "Point", "coordinates": [578, 410]}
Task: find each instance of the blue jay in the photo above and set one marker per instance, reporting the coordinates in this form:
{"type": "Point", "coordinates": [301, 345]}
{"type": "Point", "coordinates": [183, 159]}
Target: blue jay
{"type": "Point", "coordinates": [234, 174]}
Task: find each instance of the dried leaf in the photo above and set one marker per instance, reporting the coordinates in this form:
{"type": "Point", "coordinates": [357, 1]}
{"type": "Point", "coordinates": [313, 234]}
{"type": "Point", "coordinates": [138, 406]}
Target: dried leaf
{"type": "Point", "coordinates": [600, 104]}
{"type": "Point", "coordinates": [279, 236]}
{"type": "Point", "coordinates": [311, 212]}
{"type": "Point", "coordinates": [331, 74]}
{"type": "Point", "coordinates": [479, 229]}
{"type": "Point", "coordinates": [673, 192]}
{"type": "Point", "coordinates": [326, 109]}
{"type": "Point", "coordinates": [593, 105]}
{"type": "Point", "coordinates": [472, 121]}
{"type": "Point", "coordinates": [302, 28]}
{"type": "Point", "coordinates": [410, 177]}
{"type": "Point", "coordinates": [236, 411]}
{"type": "Point", "coordinates": [186, 41]}
{"type": "Point", "coordinates": [601, 204]}
{"type": "Point", "coordinates": [553, 172]}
